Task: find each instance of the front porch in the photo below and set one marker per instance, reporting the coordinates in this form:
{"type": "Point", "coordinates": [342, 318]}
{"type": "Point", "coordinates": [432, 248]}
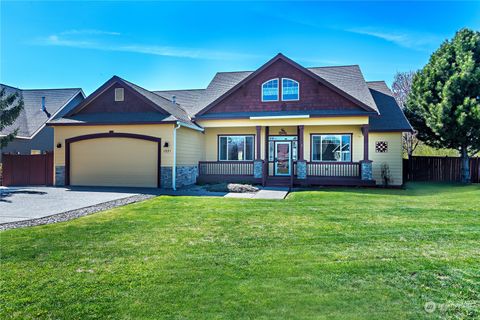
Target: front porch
{"type": "Point", "coordinates": [278, 156]}
{"type": "Point", "coordinates": [327, 174]}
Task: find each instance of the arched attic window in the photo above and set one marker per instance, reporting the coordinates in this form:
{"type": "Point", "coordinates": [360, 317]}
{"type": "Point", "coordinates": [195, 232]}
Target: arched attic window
{"type": "Point", "coordinates": [290, 90]}
{"type": "Point", "coordinates": [270, 90]}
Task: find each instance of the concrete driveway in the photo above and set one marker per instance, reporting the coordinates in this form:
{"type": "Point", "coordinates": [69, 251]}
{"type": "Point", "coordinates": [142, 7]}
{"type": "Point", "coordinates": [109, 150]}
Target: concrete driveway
{"type": "Point", "coordinates": [36, 202]}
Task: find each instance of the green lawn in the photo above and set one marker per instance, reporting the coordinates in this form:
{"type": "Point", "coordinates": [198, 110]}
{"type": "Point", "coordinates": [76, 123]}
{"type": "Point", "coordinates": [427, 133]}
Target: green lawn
{"type": "Point", "coordinates": [331, 254]}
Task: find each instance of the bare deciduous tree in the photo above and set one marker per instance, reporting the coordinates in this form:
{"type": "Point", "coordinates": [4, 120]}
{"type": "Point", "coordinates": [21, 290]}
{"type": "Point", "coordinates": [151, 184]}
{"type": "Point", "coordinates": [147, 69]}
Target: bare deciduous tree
{"type": "Point", "coordinates": [401, 87]}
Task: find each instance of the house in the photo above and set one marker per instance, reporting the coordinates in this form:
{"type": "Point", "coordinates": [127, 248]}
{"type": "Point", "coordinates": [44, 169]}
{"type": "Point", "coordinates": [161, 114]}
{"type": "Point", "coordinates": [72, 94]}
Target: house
{"type": "Point", "coordinates": [281, 124]}
{"type": "Point", "coordinates": [40, 105]}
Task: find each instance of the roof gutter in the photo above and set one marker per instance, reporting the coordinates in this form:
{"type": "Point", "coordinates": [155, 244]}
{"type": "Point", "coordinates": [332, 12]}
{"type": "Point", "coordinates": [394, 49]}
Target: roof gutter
{"type": "Point", "coordinates": [174, 166]}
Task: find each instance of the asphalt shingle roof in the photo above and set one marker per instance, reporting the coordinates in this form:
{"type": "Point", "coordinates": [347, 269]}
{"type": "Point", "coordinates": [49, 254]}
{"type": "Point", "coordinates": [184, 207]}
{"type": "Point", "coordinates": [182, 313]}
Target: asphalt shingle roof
{"type": "Point", "coordinates": [189, 103]}
{"type": "Point", "coordinates": [32, 117]}
{"type": "Point", "coordinates": [348, 79]}
{"type": "Point", "coordinates": [391, 116]}
{"type": "Point", "coordinates": [220, 84]}
{"type": "Point", "coordinates": [187, 99]}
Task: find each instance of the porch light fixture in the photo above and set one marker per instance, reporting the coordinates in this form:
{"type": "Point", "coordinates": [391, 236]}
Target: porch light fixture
{"type": "Point", "coordinates": [165, 145]}
{"type": "Point", "coordinates": [59, 145]}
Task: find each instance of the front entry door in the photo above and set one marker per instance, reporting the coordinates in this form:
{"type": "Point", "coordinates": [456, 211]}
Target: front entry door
{"type": "Point", "coordinates": [283, 156]}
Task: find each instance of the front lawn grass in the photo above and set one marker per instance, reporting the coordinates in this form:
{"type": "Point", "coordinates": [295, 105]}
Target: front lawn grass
{"type": "Point", "coordinates": [328, 254]}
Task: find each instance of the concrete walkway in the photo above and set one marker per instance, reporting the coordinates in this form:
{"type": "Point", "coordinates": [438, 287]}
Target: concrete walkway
{"type": "Point", "coordinates": [270, 193]}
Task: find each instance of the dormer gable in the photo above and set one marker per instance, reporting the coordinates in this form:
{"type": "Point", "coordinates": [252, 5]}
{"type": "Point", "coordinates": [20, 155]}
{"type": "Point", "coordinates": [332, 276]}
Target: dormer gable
{"type": "Point", "coordinates": [283, 85]}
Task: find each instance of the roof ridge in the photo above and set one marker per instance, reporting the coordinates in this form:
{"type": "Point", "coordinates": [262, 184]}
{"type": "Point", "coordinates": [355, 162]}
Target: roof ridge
{"type": "Point", "coordinates": [178, 90]}
{"type": "Point", "coordinates": [340, 66]}
{"type": "Point", "coordinates": [51, 89]}
{"type": "Point", "coordinates": [235, 71]}
{"type": "Point", "coordinates": [6, 85]}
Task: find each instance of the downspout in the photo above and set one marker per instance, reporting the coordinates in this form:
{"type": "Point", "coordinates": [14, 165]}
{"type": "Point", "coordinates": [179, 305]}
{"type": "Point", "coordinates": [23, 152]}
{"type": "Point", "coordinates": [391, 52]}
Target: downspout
{"type": "Point", "coordinates": [174, 167]}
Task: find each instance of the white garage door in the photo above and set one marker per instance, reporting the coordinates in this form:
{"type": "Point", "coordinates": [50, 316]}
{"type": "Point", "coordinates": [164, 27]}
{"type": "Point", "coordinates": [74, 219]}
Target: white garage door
{"type": "Point", "coordinates": [123, 162]}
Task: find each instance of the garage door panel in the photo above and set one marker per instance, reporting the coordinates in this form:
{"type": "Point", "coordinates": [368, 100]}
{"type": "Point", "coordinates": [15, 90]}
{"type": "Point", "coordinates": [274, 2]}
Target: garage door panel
{"type": "Point", "coordinates": [114, 162]}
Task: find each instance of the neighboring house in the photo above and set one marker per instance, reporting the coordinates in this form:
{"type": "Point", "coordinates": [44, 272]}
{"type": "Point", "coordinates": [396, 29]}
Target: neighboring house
{"type": "Point", "coordinates": [40, 105]}
{"type": "Point", "coordinates": [278, 125]}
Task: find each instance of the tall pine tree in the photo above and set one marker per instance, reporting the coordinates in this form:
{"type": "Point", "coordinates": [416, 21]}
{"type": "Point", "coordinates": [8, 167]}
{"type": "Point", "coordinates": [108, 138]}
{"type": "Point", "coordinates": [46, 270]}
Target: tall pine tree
{"type": "Point", "coordinates": [10, 107]}
{"type": "Point", "coordinates": [444, 104]}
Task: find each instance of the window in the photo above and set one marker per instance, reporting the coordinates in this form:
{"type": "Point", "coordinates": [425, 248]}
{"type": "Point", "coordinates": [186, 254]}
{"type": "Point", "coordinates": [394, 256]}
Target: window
{"type": "Point", "coordinates": [290, 90]}
{"type": "Point", "coordinates": [119, 94]}
{"type": "Point", "coordinates": [332, 147]}
{"type": "Point", "coordinates": [235, 148]}
{"type": "Point", "coordinates": [270, 90]}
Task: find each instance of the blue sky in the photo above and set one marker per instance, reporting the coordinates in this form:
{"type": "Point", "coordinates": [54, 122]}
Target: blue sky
{"type": "Point", "coordinates": [180, 45]}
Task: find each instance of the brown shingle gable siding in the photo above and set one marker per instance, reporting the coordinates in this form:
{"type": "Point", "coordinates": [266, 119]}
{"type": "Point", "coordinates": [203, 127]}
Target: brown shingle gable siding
{"type": "Point", "coordinates": [313, 95]}
{"type": "Point", "coordinates": [105, 102]}
{"type": "Point", "coordinates": [136, 100]}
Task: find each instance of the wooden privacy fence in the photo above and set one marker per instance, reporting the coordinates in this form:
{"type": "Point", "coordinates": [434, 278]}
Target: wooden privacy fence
{"type": "Point", "coordinates": [441, 169]}
{"type": "Point", "coordinates": [27, 169]}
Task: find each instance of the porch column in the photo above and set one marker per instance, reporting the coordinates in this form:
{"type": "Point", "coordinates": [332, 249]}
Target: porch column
{"type": "Point", "coordinates": [301, 163]}
{"type": "Point", "coordinates": [366, 163]}
{"type": "Point", "coordinates": [258, 142]}
{"type": "Point", "coordinates": [258, 163]}
{"type": "Point", "coordinates": [365, 142]}
{"type": "Point", "coordinates": [300, 142]}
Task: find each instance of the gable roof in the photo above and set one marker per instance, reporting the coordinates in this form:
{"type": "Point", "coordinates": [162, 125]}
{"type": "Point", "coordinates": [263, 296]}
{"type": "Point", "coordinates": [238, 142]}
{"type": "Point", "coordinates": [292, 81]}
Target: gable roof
{"type": "Point", "coordinates": [345, 85]}
{"type": "Point", "coordinates": [163, 105]}
{"type": "Point", "coordinates": [167, 110]}
{"type": "Point", "coordinates": [391, 116]}
{"type": "Point", "coordinates": [32, 118]}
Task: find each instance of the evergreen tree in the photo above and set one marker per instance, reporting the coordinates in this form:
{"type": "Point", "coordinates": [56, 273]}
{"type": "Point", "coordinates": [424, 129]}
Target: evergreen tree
{"type": "Point", "coordinates": [10, 107]}
{"type": "Point", "coordinates": [444, 104]}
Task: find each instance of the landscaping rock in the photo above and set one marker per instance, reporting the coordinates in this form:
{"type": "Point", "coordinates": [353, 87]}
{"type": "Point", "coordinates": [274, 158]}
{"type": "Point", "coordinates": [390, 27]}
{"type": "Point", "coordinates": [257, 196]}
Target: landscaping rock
{"type": "Point", "coordinates": [231, 187]}
{"type": "Point", "coordinates": [241, 188]}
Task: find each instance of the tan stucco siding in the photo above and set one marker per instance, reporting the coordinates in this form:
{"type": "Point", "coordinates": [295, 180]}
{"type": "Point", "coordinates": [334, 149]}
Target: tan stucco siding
{"type": "Point", "coordinates": [394, 156]}
{"type": "Point", "coordinates": [190, 147]}
{"type": "Point", "coordinates": [114, 162]}
{"type": "Point", "coordinates": [357, 138]}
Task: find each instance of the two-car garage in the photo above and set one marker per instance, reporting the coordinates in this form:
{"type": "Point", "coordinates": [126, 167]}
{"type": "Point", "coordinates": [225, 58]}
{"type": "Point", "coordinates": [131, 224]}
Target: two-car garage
{"type": "Point", "coordinates": [113, 159]}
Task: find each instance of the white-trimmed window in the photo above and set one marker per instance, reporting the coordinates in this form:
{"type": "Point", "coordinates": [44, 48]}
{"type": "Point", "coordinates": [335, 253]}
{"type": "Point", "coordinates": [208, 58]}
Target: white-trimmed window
{"type": "Point", "coordinates": [236, 148]}
{"type": "Point", "coordinates": [290, 90]}
{"type": "Point", "coordinates": [270, 90]}
{"type": "Point", "coordinates": [332, 147]}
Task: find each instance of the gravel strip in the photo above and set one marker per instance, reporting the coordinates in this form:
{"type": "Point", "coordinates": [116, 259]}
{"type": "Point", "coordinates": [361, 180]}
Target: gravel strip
{"type": "Point", "coordinates": [77, 213]}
